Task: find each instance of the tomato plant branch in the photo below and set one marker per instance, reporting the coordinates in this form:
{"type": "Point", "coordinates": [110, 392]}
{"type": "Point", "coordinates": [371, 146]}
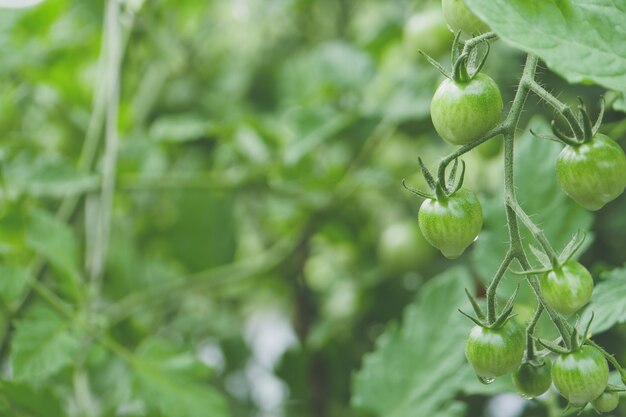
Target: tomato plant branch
{"type": "Point", "coordinates": [477, 40]}
{"type": "Point", "coordinates": [103, 213]}
{"type": "Point", "coordinates": [491, 290]}
{"type": "Point", "coordinates": [560, 107]}
{"type": "Point", "coordinates": [536, 232]}
{"type": "Point", "coordinates": [530, 331]}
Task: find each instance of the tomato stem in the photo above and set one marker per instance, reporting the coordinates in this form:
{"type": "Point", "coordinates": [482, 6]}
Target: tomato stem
{"type": "Point", "coordinates": [530, 330]}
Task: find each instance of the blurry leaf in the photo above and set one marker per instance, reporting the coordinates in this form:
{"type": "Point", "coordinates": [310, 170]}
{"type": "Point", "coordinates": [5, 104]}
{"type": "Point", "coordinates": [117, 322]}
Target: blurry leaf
{"type": "Point", "coordinates": [13, 282]}
{"type": "Point", "coordinates": [326, 73]}
{"type": "Point", "coordinates": [35, 402]}
{"type": "Point", "coordinates": [166, 380]}
{"type": "Point", "coordinates": [180, 128]}
{"type": "Point", "coordinates": [43, 344]}
{"type": "Point", "coordinates": [55, 241]}
{"type": "Point", "coordinates": [199, 229]}
{"type": "Point", "coordinates": [608, 302]}
{"type": "Point", "coordinates": [414, 369]}
{"type": "Point", "coordinates": [402, 88]}
{"type": "Point", "coordinates": [541, 197]}
{"type": "Point", "coordinates": [18, 4]}
{"type": "Point", "coordinates": [58, 181]}
{"type": "Point", "coordinates": [302, 146]}
{"type": "Point", "coordinates": [582, 40]}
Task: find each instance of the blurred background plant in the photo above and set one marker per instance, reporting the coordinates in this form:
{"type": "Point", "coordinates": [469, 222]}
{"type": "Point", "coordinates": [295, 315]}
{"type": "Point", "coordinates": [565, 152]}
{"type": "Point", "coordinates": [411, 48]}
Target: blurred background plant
{"type": "Point", "coordinates": [227, 234]}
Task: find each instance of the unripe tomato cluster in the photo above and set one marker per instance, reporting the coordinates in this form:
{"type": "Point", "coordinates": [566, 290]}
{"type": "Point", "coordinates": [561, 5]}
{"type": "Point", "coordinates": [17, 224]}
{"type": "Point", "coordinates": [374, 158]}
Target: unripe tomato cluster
{"type": "Point", "coordinates": [592, 172]}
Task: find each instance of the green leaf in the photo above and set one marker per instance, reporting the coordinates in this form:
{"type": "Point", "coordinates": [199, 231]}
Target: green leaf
{"type": "Point", "coordinates": [180, 128]}
{"type": "Point", "coordinates": [582, 40]}
{"type": "Point", "coordinates": [608, 302]}
{"type": "Point", "coordinates": [48, 179]}
{"type": "Point", "coordinates": [166, 379]}
{"type": "Point", "coordinates": [34, 401]}
{"type": "Point", "coordinates": [44, 343]}
{"type": "Point", "coordinates": [413, 371]}
{"type": "Point", "coordinates": [55, 241]}
{"type": "Point", "coordinates": [13, 283]}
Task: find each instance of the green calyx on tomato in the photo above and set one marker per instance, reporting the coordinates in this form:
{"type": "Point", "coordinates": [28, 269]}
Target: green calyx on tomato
{"type": "Point", "coordinates": [533, 379]}
{"type": "Point", "coordinates": [581, 376]}
{"type": "Point", "coordinates": [493, 352]}
{"type": "Point", "coordinates": [592, 171]}
{"type": "Point", "coordinates": [567, 287]}
{"type": "Point", "coordinates": [606, 402]}
{"type": "Point", "coordinates": [459, 17]}
{"type": "Point", "coordinates": [451, 218]}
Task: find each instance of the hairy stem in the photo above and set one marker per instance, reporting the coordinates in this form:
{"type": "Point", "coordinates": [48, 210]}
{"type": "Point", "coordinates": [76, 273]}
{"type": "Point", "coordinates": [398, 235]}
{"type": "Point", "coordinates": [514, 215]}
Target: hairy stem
{"type": "Point", "coordinates": [491, 290]}
{"type": "Point", "coordinates": [560, 107]}
{"type": "Point", "coordinates": [536, 232]}
{"type": "Point", "coordinates": [530, 330]}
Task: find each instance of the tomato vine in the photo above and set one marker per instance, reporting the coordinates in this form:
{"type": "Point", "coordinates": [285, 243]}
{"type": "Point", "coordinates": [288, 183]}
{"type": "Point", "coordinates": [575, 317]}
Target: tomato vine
{"type": "Point", "coordinates": [485, 351]}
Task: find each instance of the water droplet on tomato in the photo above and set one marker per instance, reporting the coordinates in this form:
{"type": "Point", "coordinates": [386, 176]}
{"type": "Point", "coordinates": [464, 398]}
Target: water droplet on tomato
{"type": "Point", "coordinates": [485, 380]}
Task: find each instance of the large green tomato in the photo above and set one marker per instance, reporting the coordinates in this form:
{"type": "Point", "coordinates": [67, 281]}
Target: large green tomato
{"type": "Point", "coordinates": [402, 248]}
{"type": "Point", "coordinates": [427, 31]}
{"type": "Point", "coordinates": [533, 380]}
{"type": "Point", "coordinates": [593, 173]}
{"type": "Point", "coordinates": [463, 112]}
{"type": "Point", "coordinates": [459, 17]}
{"type": "Point", "coordinates": [453, 224]}
{"type": "Point", "coordinates": [581, 376]}
{"type": "Point", "coordinates": [568, 288]}
{"type": "Point", "coordinates": [495, 352]}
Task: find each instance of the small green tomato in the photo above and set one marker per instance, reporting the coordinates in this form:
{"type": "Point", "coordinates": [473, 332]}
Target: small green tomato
{"type": "Point", "coordinates": [464, 111]}
{"type": "Point", "coordinates": [533, 380]}
{"type": "Point", "coordinates": [453, 224]}
{"type": "Point", "coordinates": [581, 376]}
{"type": "Point", "coordinates": [593, 173]}
{"type": "Point", "coordinates": [568, 288]}
{"type": "Point", "coordinates": [606, 402]}
{"type": "Point", "coordinates": [495, 352]}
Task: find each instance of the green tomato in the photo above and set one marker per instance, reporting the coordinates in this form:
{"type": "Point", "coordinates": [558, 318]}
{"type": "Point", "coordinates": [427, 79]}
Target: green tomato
{"type": "Point", "coordinates": [568, 288]}
{"type": "Point", "coordinates": [531, 380]}
{"type": "Point", "coordinates": [402, 248]}
{"type": "Point", "coordinates": [581, 376]}
{"type": "Point", "coordinates": [459, 17]}
{"type": "Point", "coordinates": [427, 31]}
{"type": "Point", "coordinates": [606, 402]}
{"type": "Point", "coordinates": [593, 173]}
{"type": "Point", "coordinates": [495, 352]}
{"type": "Point", "coordinates": [451, 225]}
{"type": "Point", "coordinates": [463, 112]}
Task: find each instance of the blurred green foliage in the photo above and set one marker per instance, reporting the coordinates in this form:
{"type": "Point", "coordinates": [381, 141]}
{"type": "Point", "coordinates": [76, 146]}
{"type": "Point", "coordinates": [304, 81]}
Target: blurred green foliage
{"type": "Point", "coordinates": [260, 238]}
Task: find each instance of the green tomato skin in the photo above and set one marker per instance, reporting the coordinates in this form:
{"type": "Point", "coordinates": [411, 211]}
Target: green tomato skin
{"type": "Point", "coordinates": [581, 376]}
{"type": "Point", "coordinates": [567, 289]}
{"type": "Point", "coordinates": [495, 352]}
{"type": "Point", "coordinates": [593, 173]}
{"type": "Point", "coordinates": [451, 225]}
{"type": "Point", "coordinates": [606, 402]}
{"type": "Point", "coordinates": [459, 17]}
{"type": "Point", "coordinates": [463, 112]}
{"type": "Point", "coordinates": [427, 31]}
{"type": "Point", "coordinates": [531, 381]}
